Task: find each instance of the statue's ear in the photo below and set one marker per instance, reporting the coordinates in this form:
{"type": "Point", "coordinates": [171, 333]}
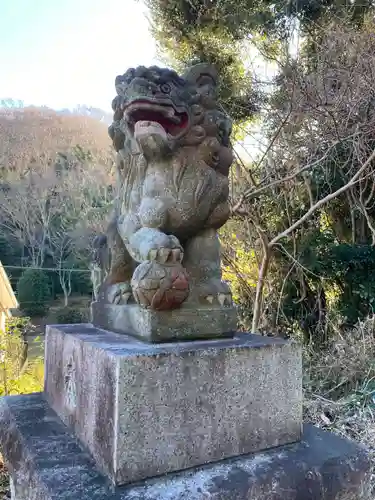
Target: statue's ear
{"type": "Point", "coordinates": [203, 76]}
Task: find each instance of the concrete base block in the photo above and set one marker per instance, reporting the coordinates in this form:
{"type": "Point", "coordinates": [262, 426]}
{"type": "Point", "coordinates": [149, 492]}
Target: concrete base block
{"type": "Point", "coordinates": [47, 463]}
{"type": "Point", "coordinates": [165, 326]}
{"type": "Point", "coordinates": [147, 409]}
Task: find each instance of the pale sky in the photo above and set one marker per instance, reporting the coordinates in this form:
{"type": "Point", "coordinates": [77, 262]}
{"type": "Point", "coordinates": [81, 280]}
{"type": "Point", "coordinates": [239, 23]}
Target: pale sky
{"type": "Point", "coordinates": [66, 52]}
{"type": "Point", "coordinates": [61, 53]}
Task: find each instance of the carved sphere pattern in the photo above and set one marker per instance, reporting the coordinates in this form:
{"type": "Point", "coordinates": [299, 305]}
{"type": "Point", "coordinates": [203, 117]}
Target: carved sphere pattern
{"type": "Point", "coordinates": [160, 286]}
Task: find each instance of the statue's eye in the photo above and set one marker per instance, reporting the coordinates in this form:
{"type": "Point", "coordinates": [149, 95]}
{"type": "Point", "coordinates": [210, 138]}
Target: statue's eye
{"type": "Point", "coordinates": [215, 158]}
{"type": "Point", "coordinates": [165, 88]}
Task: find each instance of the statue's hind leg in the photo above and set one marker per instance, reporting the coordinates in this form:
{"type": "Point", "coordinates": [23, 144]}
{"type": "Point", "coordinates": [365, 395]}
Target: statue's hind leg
{"type": "Point", "coordinates": [116, 288]}
{"type": "Point", "coordinates": [202, 262]}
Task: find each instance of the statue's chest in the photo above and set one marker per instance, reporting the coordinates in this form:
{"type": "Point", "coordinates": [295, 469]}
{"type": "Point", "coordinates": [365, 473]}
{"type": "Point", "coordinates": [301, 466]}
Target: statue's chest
{"type": "Point", "coordinates": [184, 185]}
{"type": "Point", "coordinates": [176, 177]}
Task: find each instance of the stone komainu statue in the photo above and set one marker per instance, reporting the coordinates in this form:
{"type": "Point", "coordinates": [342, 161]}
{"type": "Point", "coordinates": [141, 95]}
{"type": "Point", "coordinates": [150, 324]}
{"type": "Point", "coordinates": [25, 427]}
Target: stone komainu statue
{"type": "Point", "coordinates": [173, 159]}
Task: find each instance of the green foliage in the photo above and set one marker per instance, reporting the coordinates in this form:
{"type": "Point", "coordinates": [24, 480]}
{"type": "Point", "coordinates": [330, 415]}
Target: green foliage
{"type": "Point", "coordinates": [11, 255]}
{"type": "Point", "coordinates": [239, 264]}
{"type": "Point", "coordinates": [10, 249]}
{"type": "Point", "coordinates": [17, 374]}
{"type": "Point", "coordinates": [69, 315]}
{"type": "Point", "coordinates": [238, 17]}
{"type": "Point", "coordinates": [81, 282]}
{"type": "Point", "coordinates": [309, 12]}
{"type": "Point", "coordinates": [190, 31]}
{"type": "Point", "coordinates": [336, 281]}
{"type": "Point", "coordinates": [350, 268]}
{"type": "Point", "coordinates": [34, 292]}
{"type": "Point", "coordinates": [20, 326]}
{"type": "Point", "coordinates": [82, 154]}
{"type": "Point", "coordinates": [185, 41]}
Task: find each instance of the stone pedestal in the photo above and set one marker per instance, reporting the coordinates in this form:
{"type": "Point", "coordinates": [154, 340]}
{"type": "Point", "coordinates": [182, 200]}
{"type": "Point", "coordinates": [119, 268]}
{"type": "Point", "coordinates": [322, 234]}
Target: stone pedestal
{"type": "Point", "coordinates": [184, 323]}
{"type": "Point", "coordinates": [47, 463]}
{"type": "Point", "coordinates": [143, 410]}
{"type": "Point", "coordinates": [121, 419]}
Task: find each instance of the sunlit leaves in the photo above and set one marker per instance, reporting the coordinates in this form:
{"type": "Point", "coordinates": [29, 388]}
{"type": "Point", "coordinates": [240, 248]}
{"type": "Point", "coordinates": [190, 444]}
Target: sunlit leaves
{"type": "Point", "coordinates": [18, 375]}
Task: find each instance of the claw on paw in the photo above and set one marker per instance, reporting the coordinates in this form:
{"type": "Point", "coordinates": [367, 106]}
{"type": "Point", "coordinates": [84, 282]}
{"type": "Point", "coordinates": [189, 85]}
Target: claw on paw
{"type": "Point", "coordinates": [153, 254]}
{"type": "Point", "coordinates": [156, 246]}
{"type": "Point", "coordinates": [177, 255]}
{"type": "Point", "coordinates": [225, 299]}
{"type": "Point", "coordinates": [119, 294]}
{"type": "Point", "coordinates": [164, 255]}
{"type": "Point", "coordinates": [116, 299]}
{"type": "Point", "coordinates": [208, 296]}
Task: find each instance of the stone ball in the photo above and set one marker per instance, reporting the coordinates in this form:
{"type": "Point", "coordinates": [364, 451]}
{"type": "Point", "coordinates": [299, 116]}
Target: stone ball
{"type": "Point", "coordinates": [160, 286]}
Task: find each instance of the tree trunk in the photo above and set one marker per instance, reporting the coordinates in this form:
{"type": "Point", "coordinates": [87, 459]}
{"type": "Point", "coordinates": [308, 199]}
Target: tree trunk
{"type": "Point", "coordinates": [66, 285]}
{"type": "Point", "coordinates": [258, 303]}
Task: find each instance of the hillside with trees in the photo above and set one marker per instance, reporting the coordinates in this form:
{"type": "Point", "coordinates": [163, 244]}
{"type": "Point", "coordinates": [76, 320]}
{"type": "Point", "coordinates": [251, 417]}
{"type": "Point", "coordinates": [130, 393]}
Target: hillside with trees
{"type": "Point", "coordinates": [30, 134]}
{"type": "Point", "coordinates": [56, 184]}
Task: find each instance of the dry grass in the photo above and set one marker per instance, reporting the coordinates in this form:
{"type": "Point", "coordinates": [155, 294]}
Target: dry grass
{"type": "Point", "coordinates": [340, 387]}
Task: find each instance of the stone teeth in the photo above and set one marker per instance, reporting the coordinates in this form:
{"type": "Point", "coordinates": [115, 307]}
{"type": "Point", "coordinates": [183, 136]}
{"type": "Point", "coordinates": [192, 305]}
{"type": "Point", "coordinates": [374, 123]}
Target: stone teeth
{"type": "Point", "coordinates": [221, 297]}
{"type": "Point", "coordinates": [210, 298]}
{"type": "Point", "coordinates": [164, 255]}
{"type": "Point", "coordinates": [126, 296]}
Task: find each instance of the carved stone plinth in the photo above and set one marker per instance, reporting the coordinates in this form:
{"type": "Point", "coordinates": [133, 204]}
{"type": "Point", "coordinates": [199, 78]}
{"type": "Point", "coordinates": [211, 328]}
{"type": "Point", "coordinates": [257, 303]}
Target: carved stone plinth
{"type": "Point", "coordinates": [185, 323]}
{"type": "Point", "coordinates": [47, 463]}
{"type": "Point", "coordinates": [146, 409]}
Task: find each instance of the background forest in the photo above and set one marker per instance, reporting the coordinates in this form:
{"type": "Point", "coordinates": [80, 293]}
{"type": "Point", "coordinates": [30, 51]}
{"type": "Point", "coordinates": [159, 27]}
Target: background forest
{"type": "Point", "coordinates": [298, 80]}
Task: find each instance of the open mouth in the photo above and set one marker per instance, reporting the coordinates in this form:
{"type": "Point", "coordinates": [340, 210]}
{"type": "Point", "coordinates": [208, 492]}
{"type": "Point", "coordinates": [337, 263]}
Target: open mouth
{"type": "Point", "coordinates": [173, 122]}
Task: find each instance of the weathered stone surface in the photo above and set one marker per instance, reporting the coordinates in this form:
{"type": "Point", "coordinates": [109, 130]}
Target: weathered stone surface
{"type": "Point", "coordinates": [147, 409]}
{"type": "Point", "coordinates": [161, 249]}
{"type": "Point", "coordinates": [160, 326]}
{"type": "Point", "coordinates": [47, 463]}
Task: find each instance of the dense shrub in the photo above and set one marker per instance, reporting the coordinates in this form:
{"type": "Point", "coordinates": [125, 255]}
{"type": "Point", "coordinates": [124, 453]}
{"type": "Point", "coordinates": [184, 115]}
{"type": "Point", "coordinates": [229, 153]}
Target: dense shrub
{"type": "Point", "coordinates": [81, 283]}
{"type": "Point", "coordinates": [18, 375]}
{"type": "Point", "coordinates": [70, 315]}
{"type": "Point", "coordinates": [34, 292]}
{"type": "Point", "coordinates": [20, 326]}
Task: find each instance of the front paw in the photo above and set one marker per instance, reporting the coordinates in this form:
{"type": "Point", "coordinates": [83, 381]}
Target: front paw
{"type": "Point", "coordinates": [213, 293]}
{"type": "Point", "coordinates": [120, 293]}
{"type": "Point", "coordinates": [159, 247]}
{"type": "Point", "coordinates": [171, 253]}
